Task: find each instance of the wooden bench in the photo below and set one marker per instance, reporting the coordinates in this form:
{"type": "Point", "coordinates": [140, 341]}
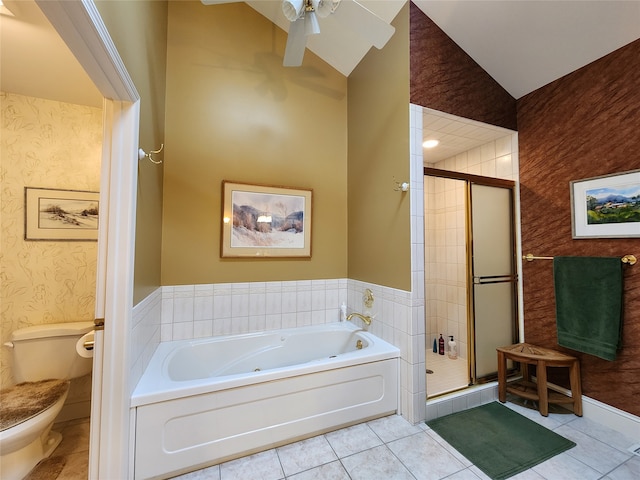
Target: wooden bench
{"type": "Point", "coordinates": [542, 358]}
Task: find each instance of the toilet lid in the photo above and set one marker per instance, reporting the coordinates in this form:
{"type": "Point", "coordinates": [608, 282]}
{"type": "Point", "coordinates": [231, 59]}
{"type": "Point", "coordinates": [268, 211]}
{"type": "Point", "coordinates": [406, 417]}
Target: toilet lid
{"type": "Point", "coordinates": [25, 400]}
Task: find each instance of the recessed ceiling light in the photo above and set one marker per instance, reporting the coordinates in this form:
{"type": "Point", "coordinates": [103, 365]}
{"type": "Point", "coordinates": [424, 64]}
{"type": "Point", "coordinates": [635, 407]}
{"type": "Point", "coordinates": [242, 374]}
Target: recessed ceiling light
{"type": "Point", "coordinates": [430, 143]}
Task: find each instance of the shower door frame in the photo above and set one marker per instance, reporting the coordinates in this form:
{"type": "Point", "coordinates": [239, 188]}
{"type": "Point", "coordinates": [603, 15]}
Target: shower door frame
{"type": "Point", "coordinates": [469, 180]}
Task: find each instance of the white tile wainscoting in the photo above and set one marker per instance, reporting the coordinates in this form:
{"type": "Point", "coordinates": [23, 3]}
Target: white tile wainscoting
{"type": "Point", "coordinates": [197, 311]}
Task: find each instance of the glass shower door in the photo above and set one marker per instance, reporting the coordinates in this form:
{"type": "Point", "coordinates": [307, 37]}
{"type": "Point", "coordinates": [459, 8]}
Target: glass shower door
{"type": "Point", "coordinates": [494, 315]}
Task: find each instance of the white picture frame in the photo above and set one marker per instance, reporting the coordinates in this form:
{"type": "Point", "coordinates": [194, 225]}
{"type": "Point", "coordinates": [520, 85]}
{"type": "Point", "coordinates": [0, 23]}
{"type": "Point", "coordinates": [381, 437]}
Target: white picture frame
{"type": "Point", "coordinates": [607, 206]}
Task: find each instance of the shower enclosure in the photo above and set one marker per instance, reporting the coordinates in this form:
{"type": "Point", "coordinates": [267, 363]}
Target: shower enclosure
{"type": "Point", "coordinates": [470, 276]}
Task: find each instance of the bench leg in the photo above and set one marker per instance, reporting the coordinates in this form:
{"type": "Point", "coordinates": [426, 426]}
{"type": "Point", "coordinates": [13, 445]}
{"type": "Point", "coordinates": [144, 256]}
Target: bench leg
{"type": "Point", "coordinates": [576, 389]}
{"type": "Point", "coordinates": [502, 377]}
{"type": "Point", "coordinates": [543, 394]}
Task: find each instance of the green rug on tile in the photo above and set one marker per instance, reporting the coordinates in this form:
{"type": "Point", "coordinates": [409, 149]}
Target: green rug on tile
{"type": "Point", "coordinates": [499, 441]}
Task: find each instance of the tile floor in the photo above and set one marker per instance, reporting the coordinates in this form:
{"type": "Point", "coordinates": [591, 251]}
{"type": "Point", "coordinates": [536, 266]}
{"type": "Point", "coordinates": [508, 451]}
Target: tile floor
{"type": "Point", "coordinates": [74, 447]}
{"type": "Point", "coordinates": [448, 375]}
{"type": "Point", "coordinates": [390, 448]}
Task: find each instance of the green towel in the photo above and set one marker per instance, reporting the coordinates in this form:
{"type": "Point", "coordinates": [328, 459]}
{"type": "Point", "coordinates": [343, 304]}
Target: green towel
{"type": "Point", "coordinates": [589, 304]}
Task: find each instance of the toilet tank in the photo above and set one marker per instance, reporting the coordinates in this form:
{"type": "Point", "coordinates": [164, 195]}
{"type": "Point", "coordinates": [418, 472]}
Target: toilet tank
{"type": "Point", "coordinates": [49, 351]}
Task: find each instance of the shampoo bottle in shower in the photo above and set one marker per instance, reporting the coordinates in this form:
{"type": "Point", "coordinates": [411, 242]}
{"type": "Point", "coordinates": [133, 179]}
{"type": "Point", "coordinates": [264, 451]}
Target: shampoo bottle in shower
{"type": "Point", "coordinates": [441, 345]}
{"type": "Point", "coordinates": [453, 349]}
{"type": "Point", "coordinates": [435, 345]}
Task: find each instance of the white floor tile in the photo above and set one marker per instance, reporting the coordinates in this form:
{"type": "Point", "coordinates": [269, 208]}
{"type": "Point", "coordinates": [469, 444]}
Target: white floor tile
{"type": "Point", "coordinates": [352, 440]}
{"type": "Point", "coordinates": [392, 428]}
{"type": "Point", "coordinates": [630, 470]}
{"type": "Point", "coordinates": [260, 466]}
{"type": "Point", "coordinates": [210, 473]}
{"type": "Point", "coordinates": [565, 467]}
{"type": "Point", "coordinates": [306, 454]}
{"type": "Point", "coordinates": [391, 448]}
{"type": "Point", "coordinates": [328, 471]}
{"type": "Point", "coordinates": [376, 464]}
{"type": "Point", "coordinates": [465, 474]}
{"type": "Point", "coordinates": [479, 473]}
{"type": "Point", "coordinates": [553, 421]}
{"type": "Point", "coordinates": [424, 457]}
{"type": "Point", "coordinates": [527, 475]}
{"type": "Point", "coordinates": [603, 433]}
{"type": "Point", "coordinates": [442, 442]}
{"type": "Point", "coordinates": [592, 452]}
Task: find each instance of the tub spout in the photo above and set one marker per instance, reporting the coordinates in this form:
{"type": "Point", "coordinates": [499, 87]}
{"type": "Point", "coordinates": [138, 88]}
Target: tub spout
{"type": "Point", "coordinates": [365, 318]}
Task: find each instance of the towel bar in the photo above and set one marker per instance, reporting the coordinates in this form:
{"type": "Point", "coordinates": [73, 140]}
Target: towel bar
{"type": "Point", "coordinates": [628, 259]}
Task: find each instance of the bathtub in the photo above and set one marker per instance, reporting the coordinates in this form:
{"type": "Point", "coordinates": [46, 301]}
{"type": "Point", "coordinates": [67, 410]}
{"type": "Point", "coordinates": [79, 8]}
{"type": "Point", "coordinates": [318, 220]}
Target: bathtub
{"type": "Point", "coordinates": [202, 402]}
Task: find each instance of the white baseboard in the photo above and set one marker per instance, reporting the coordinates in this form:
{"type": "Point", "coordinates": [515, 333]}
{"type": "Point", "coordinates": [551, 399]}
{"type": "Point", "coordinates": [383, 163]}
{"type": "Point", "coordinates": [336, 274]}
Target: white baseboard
{"type": "Point", "coordinates": [619, 420]}
{"type": "Point", "coordinates": [623, 422]}
{"type": "Point", "coordinates": [604, 414]}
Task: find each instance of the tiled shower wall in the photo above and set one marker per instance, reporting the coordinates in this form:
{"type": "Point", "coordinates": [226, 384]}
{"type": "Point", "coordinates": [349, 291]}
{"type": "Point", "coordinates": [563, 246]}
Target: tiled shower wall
{"type": "Point", "coordinates": [497, 159]}
{"type": "Point", "coordinates": [445, 236]}
{"type": "Point", "coordinates": [445, 261]}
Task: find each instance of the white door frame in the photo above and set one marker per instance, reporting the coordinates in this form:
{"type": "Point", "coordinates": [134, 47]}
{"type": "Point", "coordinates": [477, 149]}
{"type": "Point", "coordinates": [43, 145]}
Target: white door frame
{"type": "Point", "coordinates": [81, 27]}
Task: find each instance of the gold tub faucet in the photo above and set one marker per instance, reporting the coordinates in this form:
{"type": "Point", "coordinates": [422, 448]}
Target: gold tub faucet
{"type": "Point", "coordinates": [365, 318]}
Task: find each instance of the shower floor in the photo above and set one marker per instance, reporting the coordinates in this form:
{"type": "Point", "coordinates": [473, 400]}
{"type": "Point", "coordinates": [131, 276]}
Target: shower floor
{"type": "Point", "coordinates": [448, 375]}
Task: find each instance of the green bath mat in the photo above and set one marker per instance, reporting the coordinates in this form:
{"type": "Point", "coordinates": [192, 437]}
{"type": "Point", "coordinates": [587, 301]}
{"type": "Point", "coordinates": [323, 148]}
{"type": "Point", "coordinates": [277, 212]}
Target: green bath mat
{"type": "Point", "coordinates": [499, 441]}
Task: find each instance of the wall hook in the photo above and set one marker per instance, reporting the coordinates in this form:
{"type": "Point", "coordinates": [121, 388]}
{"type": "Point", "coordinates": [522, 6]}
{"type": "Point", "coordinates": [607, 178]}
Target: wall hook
{"type": "Point", "coordinates": [142, 154]}
{"type": "Point", "coordinates": [400, 186]}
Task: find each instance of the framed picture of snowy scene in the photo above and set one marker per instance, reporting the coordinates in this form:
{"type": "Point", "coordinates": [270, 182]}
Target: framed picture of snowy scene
{"type": "Point", "coordinates": [52, 214]}
{"type": "Point", "coordinates": [607, 206]}
{"type": "Point", "coordinates": [265, 221]}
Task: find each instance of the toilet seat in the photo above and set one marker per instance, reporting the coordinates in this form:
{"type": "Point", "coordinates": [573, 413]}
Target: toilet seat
{"type": "Point", "coordinates": [26, 400]}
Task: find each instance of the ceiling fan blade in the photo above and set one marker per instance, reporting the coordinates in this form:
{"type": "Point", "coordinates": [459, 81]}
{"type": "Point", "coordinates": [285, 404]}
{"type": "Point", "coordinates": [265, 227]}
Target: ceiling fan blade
{"type": "Point", "coordinates": [296, 43]}
{"type": "Point", "coordinates": [364, 22]}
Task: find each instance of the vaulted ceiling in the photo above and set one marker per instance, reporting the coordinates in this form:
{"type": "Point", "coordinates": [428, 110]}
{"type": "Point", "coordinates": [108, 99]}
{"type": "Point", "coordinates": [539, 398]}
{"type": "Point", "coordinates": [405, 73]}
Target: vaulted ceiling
{"type": "Point", "coordinates": [522, 44]}
{"type": "Point", "coordinates": [526, 44]}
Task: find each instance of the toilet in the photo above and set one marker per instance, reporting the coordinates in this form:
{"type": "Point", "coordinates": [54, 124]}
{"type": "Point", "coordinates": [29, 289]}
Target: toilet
{"type": "Point", "coordinates": [44, 359]}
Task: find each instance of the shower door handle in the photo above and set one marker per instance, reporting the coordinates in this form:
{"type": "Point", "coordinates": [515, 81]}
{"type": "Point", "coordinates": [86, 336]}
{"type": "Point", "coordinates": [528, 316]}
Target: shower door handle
{"type": "Point", "coordinates": [482, 280]}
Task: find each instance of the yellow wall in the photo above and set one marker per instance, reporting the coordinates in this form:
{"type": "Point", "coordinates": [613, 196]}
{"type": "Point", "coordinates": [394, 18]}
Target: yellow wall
{"type": "Point", "coordinates": [379, 217]}
{"type": "Point", "coordinates": [139, 32]}
{"type": "Point", "coordinates": [234, 113]}
{"type": "Point", "coordinates": [44, 144]}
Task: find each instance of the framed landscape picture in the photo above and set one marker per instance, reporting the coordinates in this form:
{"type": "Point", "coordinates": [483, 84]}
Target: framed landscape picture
{"type": "Point", "coordinates": [607, 206]}
{"type": "Point", "coordinates": [265, 221]}
{"type": "Point", "coordinates": [52, 214]}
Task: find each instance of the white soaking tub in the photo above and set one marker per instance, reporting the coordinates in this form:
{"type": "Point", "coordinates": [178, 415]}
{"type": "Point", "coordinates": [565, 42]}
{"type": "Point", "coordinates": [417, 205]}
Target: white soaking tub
{"type": "Point", "coordinates": [202, 402]}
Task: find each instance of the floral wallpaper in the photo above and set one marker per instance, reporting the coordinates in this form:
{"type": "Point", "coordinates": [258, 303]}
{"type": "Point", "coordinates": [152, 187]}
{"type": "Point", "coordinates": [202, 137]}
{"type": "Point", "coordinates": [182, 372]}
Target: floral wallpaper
{"type": "Point", "coordinates": [44, 144]}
